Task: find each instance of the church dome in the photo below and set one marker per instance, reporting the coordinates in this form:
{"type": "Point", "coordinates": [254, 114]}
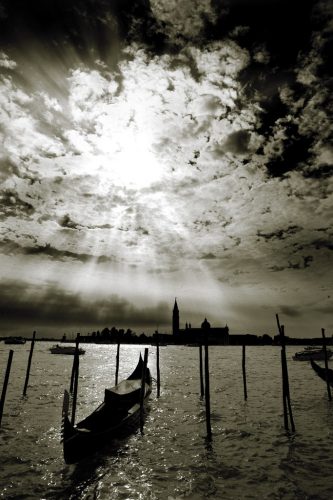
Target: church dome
{"type": "Point", "coordinates": [205, 324]}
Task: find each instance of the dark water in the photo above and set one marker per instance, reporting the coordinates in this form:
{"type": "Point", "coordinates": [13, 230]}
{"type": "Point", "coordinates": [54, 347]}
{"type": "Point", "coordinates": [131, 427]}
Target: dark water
{"type": "Point", "coordinates": [251, 456]}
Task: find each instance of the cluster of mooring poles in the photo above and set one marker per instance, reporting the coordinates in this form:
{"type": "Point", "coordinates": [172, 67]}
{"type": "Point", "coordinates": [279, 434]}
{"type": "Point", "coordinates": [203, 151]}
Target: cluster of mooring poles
{"type": "Point", "coordinates": [7, 374]}
{"type": "Point", "coordinates": [205, 387]}
{"type": "Point", "coordinates": [204, 377]}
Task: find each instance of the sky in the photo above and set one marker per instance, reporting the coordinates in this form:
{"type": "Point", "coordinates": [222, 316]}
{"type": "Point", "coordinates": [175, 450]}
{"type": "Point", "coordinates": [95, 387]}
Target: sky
{"type": "Point", "coordinates": [160, 149]}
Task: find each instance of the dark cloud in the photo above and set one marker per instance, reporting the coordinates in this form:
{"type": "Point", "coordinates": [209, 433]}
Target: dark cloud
{"type": "Point", "coordinates": [295, 153]}
{"type": "Point", "coordinates": [323, 171]}
{"type": "Point", "coordinates": [237, 142]}
{"type": "Point", "coordinates": [7, 168]}
{"type": "Point", "coordinates": [302, 263]}
{"type": "Point", "coordinates": [280, 234]}
{"type": "Point", "coordinates": [56, 254]}
{"type": "Point", "coordinates": [94, 27]}
{"type": "Point", "coordinates": [282, 26]}
{"type": "Point", "coordinates": [318, 244]}
{"type": "Point", "coordinates": [11, 247]}
{"type": "Point", "coordinates": [67, 222]}
{"type": "Point", "coordinates": [208, 256]}
{"type": "Point", "coordinates": [305, 262]}
{"type": "Point", "coordinates": [26, 304]}
{"type": "Point", "coordinates": [290, 311]}
{"type": "Point", "coordinates": [13, 206]}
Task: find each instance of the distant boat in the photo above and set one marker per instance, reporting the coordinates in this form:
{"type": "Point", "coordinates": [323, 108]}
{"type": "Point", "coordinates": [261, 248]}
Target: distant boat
{"type": "Point", "coordinates": [321, 372]}
{"type": "Point", "coordinates": [15, 340]}
{"type": "Point", "coordinates": [65, 349]}
{"type": "Point", "coordinates": [312, 353]}
{"type": "Point", "coordinates": [117, 417]}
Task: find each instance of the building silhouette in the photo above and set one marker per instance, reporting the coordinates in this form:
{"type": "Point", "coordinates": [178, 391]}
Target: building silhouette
{"type": "Point", "coordinates": [175, 319]}
{"type": "Point", "coordinates": [189, 335]}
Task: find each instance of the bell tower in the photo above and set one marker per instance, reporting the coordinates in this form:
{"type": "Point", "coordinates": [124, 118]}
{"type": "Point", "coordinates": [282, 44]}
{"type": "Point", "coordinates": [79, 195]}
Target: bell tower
{"type": "Point", "coordinates": [175, 319]}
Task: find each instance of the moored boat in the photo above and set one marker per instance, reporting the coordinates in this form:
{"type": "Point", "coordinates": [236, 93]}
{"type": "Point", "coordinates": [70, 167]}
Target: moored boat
{"type": "Point", "coordinates": [117, 417]}
{"type": "Point", "coordinates": [308, 354]}
{"type": "Point", "coordinates": [15, 340]}
{"type": "Point", "coordinates": [321, 372]}
{"type": "Point", "coordinates": [65, 349]}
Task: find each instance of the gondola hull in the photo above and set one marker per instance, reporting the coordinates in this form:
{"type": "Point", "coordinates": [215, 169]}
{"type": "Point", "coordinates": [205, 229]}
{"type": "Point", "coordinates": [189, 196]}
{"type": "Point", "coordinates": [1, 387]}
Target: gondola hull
{"type": "Point", "coordinates": [321, 372]}
{"type": "Point", "coordinates": [117, 417]}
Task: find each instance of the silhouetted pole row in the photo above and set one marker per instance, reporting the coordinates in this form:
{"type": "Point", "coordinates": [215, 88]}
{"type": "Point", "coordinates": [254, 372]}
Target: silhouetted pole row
{"type": "Point", "coordinates": [244, 372]}
{"type": "Point", "coordinates": [117, 363]}
{"type": "Point", "coordinates": [5, 383]}
{"type": "Point", "coordinates": [32, 345]}
{"type": "Point", "coordinates": [143, 389]}
{"type": "Point", "coordinates": [158, 378]}
{"type": "Point", "coordinates": [75, 375]}
{"type": "Point", "coordinates": [287, 410]}
{"type": "Point", "coordinates": [207, 388]}
{"type": "Point", "coordinates": [202, 390]}
{"type": "Point", "coordinates": [326, 365]}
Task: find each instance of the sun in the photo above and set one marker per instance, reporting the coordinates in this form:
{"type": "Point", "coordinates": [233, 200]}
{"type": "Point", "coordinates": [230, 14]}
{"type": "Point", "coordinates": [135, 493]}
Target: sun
{"type": "Point", "coordinates": [137, 166]}
{"type": "Point", "coordinates": [129, 160]}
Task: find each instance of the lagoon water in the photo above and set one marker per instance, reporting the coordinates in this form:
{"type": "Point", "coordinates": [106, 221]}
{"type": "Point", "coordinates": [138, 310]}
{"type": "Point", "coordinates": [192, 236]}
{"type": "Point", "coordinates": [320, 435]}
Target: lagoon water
{"type": "Point", "coordinates": [250, 456]}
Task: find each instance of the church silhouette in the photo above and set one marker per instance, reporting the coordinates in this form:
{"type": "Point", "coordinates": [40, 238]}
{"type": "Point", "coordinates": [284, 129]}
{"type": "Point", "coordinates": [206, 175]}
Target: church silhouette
{"type": "Point", "coordinates": [218, 335]}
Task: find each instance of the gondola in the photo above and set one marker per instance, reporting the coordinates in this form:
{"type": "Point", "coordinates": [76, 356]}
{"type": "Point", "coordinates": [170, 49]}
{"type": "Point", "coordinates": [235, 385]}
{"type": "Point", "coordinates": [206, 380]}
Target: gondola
{"type": "Point", "coordinates": [117, 417]}
{"type": "Point", "coordinates": [322, 372]}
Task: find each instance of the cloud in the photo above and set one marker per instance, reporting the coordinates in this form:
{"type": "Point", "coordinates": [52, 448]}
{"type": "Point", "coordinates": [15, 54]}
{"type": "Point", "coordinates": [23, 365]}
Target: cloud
{"type": "Point", "coordinates": [67, 222]}
{"type": "Point", "coordinates": [238, 142]}
{"type": "Point", "coordinates": [199, 144]}
{"type": "Point", "coordinates": [13, 206]}
{"type": "Point", "coordinates": [5, 62]}
{"type": "Point", "coordinates": [23, 303]}
{"type": "Point", "coordinates": [11, 247]}
{"type": "Point", "coordinates": [183, 21]}
{"type": "Point", "coordinates": [290, 311]}
{"type": "Point", "coordinates": [280, 234]}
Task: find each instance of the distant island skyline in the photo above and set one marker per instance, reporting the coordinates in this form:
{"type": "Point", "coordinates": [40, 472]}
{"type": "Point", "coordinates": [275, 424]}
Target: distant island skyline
{"type": "Point", "coordinates": [187, 331]}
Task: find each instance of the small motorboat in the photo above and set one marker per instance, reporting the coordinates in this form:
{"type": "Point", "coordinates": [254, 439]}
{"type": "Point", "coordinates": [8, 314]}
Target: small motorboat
{"type": "Point", "coordinates": [316, 353]}
{"type": "Point", "coordinates": [65, 349]}
{"type": "Point", "coordinates": [321, 372]}
{"type": "Point", "coordinates": [15, 340]}
{"type": "Point", "coordinates": [117, 417]}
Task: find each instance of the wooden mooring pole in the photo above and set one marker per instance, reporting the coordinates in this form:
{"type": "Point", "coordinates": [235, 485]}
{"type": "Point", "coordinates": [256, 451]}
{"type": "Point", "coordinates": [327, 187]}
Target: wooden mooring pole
{"type": "Point", "coordinates": [5, 384]}
{"type": "Point", "coordinates": [117, 363]}
{"type": "Point", "coordinates": [202, 389]}
{"type": "Point", "coordinates": [143, 389]}
{"type": "Point", "coordinates": [244, 372]}
{"type": "Point", "coordinates": [287, 410]}
{"type": "Point", "coordinates": [326, 365]}
{"type": "Point", "coordinates": [75, 362]}
{"type": "Point", "coordinates": [32, 345]}
{"type": "Point", "coordinates": [75, 378]}
{"type": "Point", "coordinates": [158, 375]}
{"type": "Point", "coordinates": [207, 387]}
